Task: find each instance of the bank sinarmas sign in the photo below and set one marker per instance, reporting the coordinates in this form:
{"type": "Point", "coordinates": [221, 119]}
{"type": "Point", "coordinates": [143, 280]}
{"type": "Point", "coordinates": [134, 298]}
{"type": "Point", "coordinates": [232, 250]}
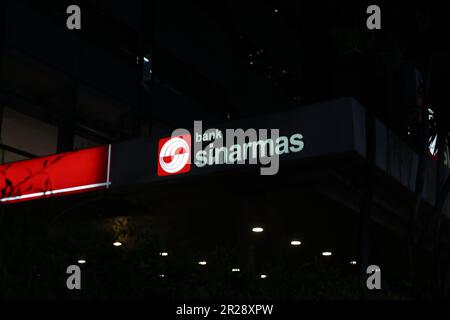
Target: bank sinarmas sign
{"type": "Point", "coordinates": [176, 153]}
{"type": "Point", "coordinates": [90, 169]}
{"type": "Point", "coordinates": [184, 153]}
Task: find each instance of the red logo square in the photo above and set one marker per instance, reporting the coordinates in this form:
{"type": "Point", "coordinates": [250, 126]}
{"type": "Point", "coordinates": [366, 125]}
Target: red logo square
{"type": "Point", "coordinates": [174, 155]}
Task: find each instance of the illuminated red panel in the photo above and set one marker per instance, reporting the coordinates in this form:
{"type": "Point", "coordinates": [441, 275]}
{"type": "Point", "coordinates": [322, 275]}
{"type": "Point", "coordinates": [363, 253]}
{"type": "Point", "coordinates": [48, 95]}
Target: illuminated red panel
{"type": "Point", "coordinates": [59, 174]}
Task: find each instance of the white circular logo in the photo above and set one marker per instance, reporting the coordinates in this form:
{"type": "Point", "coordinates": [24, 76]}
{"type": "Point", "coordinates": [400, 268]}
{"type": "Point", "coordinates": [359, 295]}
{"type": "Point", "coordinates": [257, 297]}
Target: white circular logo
{"type": "Point", "coordinates": [174, 155]}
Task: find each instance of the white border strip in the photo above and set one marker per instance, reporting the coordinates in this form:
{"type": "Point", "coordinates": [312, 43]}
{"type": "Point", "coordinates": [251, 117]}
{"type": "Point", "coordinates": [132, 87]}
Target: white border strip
{"type": "Point", "coordinates": [53, 192]}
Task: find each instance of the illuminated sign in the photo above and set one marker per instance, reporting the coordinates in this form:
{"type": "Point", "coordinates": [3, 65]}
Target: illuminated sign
{"type": "Point", "coordinates": [174, 153]}
{"type": "Point", "coordinates": [66, 173]}
{"type": "Point", "coordinates": [146, 161]}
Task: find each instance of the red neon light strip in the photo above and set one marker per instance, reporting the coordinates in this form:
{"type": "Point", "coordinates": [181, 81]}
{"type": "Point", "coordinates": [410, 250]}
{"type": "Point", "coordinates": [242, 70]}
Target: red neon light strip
{"type": "Point", "coordinates": [55, 192]}
{"type": "Point", "coordinates": [66, 173]}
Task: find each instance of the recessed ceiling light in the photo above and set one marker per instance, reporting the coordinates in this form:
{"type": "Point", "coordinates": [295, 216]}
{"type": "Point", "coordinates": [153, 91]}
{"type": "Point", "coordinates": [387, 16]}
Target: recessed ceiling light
{"type": "Point", "coordinates": [202, 263]}
{"type": "Point", "coordinates": [326, 253]}
{"type": "Point", "coordinates": [235, 270]}
{"type": "Point", "coordinates": [81, 261]}
{"type": "Point", "coordinates": [276, 10]}
{"type": "Point", "coordinates": [263, 276]}
{"type": "Point", "coordinates": [163, 254]}
{"type": "Point", "coordinates": [296, 242]}
{"type": "Point", "coordinates": [117, 244]}
{"type": "Point", "coordinates": [257, 229]}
